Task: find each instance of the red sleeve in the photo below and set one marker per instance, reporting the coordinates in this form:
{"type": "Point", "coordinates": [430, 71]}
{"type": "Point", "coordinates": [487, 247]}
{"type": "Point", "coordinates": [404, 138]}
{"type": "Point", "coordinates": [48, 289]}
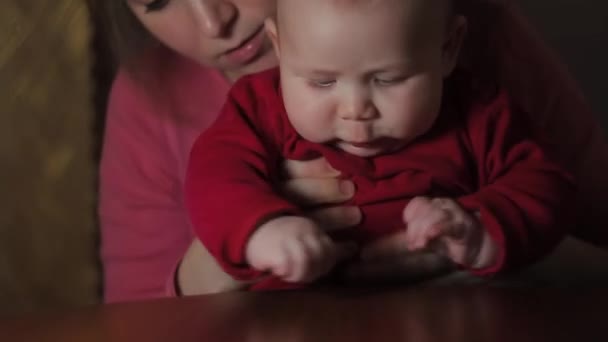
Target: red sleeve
{"type": "Point", "coordinates": [228, 181]}
{"type": "Point", "coordinates": [143, 225]}
{"type": "Point", "coordinates": [524, 197]}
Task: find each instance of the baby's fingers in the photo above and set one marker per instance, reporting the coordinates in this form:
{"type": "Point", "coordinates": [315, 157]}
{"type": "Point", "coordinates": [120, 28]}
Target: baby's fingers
{"type": "Point", "coordinates": [416, 208]}
{"type": "Point", "coordinates": [311, 257]}
{"type": "Point", "coordinates": [423, 232]}
{"type": "Point", "coordinates": [299, 262]}
{"type": "Point", "coordinates": [282, 267]}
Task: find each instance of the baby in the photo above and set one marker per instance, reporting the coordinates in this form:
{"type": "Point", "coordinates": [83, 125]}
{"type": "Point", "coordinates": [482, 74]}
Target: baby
{"type": "Point", "coordinates": [371, 86]}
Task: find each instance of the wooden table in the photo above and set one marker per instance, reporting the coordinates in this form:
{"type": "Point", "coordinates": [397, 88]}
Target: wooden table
{"type": "Point", "coordinates": [474, 313]}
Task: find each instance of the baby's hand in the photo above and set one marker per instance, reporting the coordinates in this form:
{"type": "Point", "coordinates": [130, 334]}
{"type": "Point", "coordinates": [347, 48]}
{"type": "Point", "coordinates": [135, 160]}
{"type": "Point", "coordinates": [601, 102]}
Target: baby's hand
{"type": "Point", "coordinates": [294, 249]}
{"type": "Point", "coordinates": [441, 225]}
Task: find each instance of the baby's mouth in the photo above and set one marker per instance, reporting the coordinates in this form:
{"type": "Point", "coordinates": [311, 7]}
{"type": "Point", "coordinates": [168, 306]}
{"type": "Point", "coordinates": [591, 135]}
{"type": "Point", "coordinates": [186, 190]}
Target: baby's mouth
{"type": "Point", "coordinates": [371, 143]}
{"type": "Point", "coordinates": [363, 145]}
{"type": "Point", "coordinates": [382, 144]}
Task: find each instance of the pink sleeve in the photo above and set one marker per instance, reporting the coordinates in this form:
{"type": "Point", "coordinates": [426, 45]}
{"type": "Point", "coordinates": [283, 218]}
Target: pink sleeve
{"type": "Point", "coordinates": [232, 162]}
{"type": "Point", "coordinates": [144, 228]}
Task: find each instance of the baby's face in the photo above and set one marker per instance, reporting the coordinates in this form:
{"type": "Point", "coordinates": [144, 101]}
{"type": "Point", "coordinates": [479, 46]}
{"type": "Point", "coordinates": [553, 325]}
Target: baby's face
{"type": "Point", "coordinates": [365, 76]}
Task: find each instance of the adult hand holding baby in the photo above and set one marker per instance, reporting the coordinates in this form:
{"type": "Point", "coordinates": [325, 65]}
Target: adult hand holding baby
{"type": "Point", "coordinates": [314, 183]}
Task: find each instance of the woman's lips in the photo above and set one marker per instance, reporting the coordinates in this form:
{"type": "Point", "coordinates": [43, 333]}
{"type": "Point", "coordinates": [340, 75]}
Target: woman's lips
{"type": "Point", "coordinates": [248, 50]}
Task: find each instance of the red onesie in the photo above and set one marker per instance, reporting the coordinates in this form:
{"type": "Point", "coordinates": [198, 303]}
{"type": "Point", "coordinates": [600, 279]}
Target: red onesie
{"type": "Point", "coordinates": [478, 152]}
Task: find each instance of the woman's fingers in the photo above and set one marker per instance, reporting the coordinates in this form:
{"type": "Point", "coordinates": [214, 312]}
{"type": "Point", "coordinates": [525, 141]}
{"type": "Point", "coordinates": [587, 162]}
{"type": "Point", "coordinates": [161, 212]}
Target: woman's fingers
{"type": "Point", "coordinates": [315, 191]}
{"type": "Point", "coordinates": [386, 247]}
{"type": "Point", "coordinates": [403, 267]}
{"type": "Point", "coordinates": [345, 251]}
{"type": "Point", "coordinates": [315, 182]}
{"type": "Point", "coordinates": [317, 168]}
{"type": "Point", "coordinates": [336, 218]}
{"type": "Point", "coordinates": [409, 241]}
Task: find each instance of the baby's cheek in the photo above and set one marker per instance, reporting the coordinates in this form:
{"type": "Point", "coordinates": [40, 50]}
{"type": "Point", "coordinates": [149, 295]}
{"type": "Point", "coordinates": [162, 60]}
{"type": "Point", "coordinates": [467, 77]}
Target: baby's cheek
{"type": "Point", "coordinates": [316, 127]}
{"type": "Point", "coordinates": [409, 120]}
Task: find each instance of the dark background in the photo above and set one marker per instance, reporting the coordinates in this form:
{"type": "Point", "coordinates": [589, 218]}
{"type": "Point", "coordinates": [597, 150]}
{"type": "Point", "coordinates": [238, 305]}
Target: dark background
{"type": "Point", "coordinates": [578, 31]}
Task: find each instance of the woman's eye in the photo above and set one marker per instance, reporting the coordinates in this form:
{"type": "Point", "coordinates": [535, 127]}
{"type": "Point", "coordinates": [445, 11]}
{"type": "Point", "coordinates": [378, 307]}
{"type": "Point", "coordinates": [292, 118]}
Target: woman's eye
{"type": "Point", "coordinates": [322, 83]}
{"type": "Point", "coordinates": [156, 5]}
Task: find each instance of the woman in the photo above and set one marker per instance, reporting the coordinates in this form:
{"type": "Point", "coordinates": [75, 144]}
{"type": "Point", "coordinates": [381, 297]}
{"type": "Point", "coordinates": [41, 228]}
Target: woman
{"type": "Point", "coordinates": [178, 60]}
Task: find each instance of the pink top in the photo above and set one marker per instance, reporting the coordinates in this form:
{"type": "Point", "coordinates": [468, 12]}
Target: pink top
{"type": "Point", "coordinates": [144, 226]}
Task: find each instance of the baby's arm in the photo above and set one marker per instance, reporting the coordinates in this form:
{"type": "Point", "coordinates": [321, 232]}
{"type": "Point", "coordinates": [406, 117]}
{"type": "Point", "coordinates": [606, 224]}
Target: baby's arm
{"type": "Point", "coordinates": [523, 197]}
{"type": "Point", "coordinates": [229, 186]}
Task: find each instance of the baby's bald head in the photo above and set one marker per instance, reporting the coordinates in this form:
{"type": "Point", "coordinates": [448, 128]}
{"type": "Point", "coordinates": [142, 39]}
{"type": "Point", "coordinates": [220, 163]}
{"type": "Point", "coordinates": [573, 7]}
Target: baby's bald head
{"type": "Point", "coordinates": [416, 15]}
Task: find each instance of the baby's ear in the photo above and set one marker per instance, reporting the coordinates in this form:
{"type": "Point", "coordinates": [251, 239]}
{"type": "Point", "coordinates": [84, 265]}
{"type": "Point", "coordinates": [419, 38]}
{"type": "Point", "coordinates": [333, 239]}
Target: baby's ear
{"type": "Point", "coordinates": [452, 45]}
{"type": "Point", "coordinates": [271, 30]}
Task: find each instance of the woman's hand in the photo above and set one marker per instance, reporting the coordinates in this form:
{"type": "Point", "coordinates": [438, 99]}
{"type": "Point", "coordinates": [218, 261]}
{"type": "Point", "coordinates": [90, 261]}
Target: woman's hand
{"type": "Point", "coordinates": [389, 261]}
{"type": "Point", "coordinates": [313, 183]}
{"type": "Point", "coordinates": [199, 273]}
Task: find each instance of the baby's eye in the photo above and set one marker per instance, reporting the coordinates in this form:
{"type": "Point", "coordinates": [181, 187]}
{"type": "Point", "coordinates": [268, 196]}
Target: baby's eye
{"type": "Point", "coordinates": [388, 81]}
{"type": "Point", "coordinates": [322, 83]}
{"type": "Point", "coordinates": [156, 5]}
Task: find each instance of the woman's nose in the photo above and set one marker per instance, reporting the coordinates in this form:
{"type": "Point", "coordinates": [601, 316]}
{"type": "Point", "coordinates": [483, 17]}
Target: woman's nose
{"type": "Point", "coordinates": [216, 17]}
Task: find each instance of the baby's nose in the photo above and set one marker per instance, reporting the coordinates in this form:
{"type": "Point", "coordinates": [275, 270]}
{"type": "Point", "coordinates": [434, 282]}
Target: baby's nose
{"type": "Point", "coordinates": [358, 110]}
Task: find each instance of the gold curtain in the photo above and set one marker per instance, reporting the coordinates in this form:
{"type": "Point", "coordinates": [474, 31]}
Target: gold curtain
{"type": "Point", "coordinates": [48, 252]}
